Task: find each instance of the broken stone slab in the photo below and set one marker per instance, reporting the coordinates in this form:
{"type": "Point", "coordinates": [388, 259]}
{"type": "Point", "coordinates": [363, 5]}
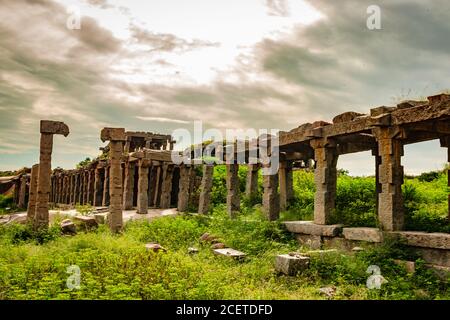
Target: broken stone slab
{"type": "Point", "coordinates": [155, 247]}
{"type": "Point", "coordinates": [100, 217]}
{"type": "Point", "coordinates": [228, 252]}
{"type": "Point", "coordinates": [424, 239]}
{"type": "Point", "coordinates": [374, 112]}
{"type": "Point", "coordinates": [68, 227]}
{"type": "Point", "coordinates": [291, 265]}
{"type": "Point", "coordinates": [308, 227]}
{"type": "Point", "coordinates": [88, 222]}
{"type": "Point", "coordinates": [363, 234]}
{"type": "Point", "coordinates": [410, 266]}
{"type": "Point", "coordinates": [329, 292]}
{"type": "Point", "coordinates": [346, 117]}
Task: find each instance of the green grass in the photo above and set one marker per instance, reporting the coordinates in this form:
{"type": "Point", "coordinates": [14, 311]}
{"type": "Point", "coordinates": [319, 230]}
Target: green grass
{"type": "Point", "coordinates": [119, 267]}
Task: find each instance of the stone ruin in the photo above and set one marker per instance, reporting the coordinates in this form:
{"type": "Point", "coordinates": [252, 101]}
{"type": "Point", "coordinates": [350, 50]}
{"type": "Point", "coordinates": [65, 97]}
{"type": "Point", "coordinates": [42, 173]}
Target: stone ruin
{"type": "Point", "coordinates": [137, 171]}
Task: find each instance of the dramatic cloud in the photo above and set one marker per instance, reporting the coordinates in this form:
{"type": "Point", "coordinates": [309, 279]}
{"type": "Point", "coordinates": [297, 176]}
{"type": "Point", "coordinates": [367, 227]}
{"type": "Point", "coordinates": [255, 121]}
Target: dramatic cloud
{"type": "Point", "coordinates": [258, 64]}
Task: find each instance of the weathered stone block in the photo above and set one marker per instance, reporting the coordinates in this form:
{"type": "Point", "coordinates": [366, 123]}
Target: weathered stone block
{"type": "Point", "coordinates": [423, 239]}
{"type": "Point", "coordinates": [68, 227]}
{"type": "Point", "coordinates": [291, 265]}
{"type": "Point", "coordinates": [54, 127]}
{"type": "Point", "coordinates": [87, 221]}
{"type": "Point", "coordinates": [155, 247]}
{"type": "Point", "coordinates": [410, 266]}
{"type": "Point", "coordinates": [311, 241]}
{"type": "Point", "coordinates": [363, 234]}
{"type": "Point", "coordinates": [100, 217]}
{"type": "Point", "coordinates": [228, 252]}
{"type": "Point", "coordinates": [308, 227]}
{"type": "Point", "coordinates": [113, 134]}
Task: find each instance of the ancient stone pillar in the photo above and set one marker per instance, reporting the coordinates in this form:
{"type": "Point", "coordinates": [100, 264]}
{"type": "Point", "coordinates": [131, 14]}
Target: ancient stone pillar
{"type": "Point", "coordinates": [377, 177]}
{"type": "Point", "coordinates": [105, 199]}
{"type": "Point", "coordinates": [91, 184]}
{"type": "Point", "coordinates": [166, 186]}
{"type": "Point", "coordinates": [52, 188]}
{"type": "Point", "coordinates": [116, 136]}
{"type": "Point", "coordinates": [205, 189]}
{"type": "Point", "coordinates": [183, 190]}
{"type": "Point", "coordinates": [98, 185]}
{"type": "Point", "coordinates": [271, 197]}
{"type": "Point", "coordinates": [156, 183]}
{"type": "Point", "coordinates": [128, 187]}
{"type": "Point", "coordinates": [286, 183]}
{"type": "Point", "coordinates": [390, 205]}
{"type": "Point", "coordinates": [233, 192]}
{"type": "Point", "coordinates": [142, 200]}
{"type": "Point", "coordinates": [22, 191]}
{"type": "Point", "coordinates": [251, 185]}
{"type": "Point", "coordinates": [80, 187]}
{"type": "Point", "coordinates": [48, 129]}
{"type": "Point", "coordinates": [325, 179]}
{"type": "Point", "coordinates": [75, 188]}
{"type": "Point", "coordinates": [33, 193]}
{"type": "Point", "coordinates": [84, 185]}
{"type": "Point", "coordinates": [65, 188]}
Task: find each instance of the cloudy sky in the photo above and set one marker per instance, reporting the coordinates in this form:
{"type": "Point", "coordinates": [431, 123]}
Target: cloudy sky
{"type": "Point", "coordinates": [159, 65]}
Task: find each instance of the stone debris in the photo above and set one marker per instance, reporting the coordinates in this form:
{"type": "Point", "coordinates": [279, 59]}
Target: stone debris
{"type": "Point", "coordinates": [329, 292]}
{"type": "Point", "coordinates": [100, 217]}
{"type": "Point", "coordinates": [228, 252]}
{"type": "Point", "coordinates": [89, 222]}
{"type": "Point", "coordinates": [218, 245]}
{"type": "Point", "coordinates": [410, 266]}
{"type": "Point", "coordinates": [291, 264]}
{"type": "Point", "coordinates": [155, 247]}
{"type": "Point", "coordinates": [192, 250]}
{"type": "Point", "coordinates": [206, 237]}
{"type": "Point", "coordinates": [68, 227]}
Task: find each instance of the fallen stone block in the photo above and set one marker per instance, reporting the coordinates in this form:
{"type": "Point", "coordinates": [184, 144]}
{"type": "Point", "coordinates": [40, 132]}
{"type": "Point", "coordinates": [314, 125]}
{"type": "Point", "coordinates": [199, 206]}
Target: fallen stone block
{"type": "Point", "coordinates": [329, 292]}
{"type": "Point", "coordinates": [410, 266]}
{"type": "Point", "coordinates": [291, 265]}
{"type": "Point", "coordinates": [228, 252]}
{"type": "Point", "coordinates": [206, 237]}
{"type": "Point", "coordinates": [363, 234]}
{"type": "Point", "coordinates": [441, 272]}
{"type": "Point", "coordinates": [357, 249]}
{"type": "Point", "coordinates": [88, 222]}
{"type": "Point", "coordinates": [155, 247]}
{"type": "Point", "coordinates": [100, 217]}
{"type": "Point", "coordinates": [308, 227]}
{"type": "Point", "coordinates": [68, 227]}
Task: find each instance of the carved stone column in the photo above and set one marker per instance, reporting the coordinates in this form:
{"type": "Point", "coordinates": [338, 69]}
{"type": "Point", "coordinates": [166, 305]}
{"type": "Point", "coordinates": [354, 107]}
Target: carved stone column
{"type": "Point", "coordinates": [142, 200]}
{"type": "Point", "coordinates": [183, 193]}
{"type": "Point", "coordinates": [98, 185]}
{"type": "Point", "coordinates": [22, 191]}
{"type": "Point", "coordinates": [325, 179]}
{"type": "Point", "coordinates": [445, 143]}
{"type": "Point", "coordinates": [271, 197]}
{"type": "Point", "coordinates": [166, 186]}
{"type": "Point", "coordinates": [116, 136]}
{"type": "Point", "coordinates": [233, 192]}
{"type": "Point", "coordinates": [286, 184]}
{"type": "Point", "coordinates": [390, 200]}
{"type": "Point", "coordinates": [205, 189]}
{"type": "Point", "coordinates": [106, 183]}
{"type": "Point", "coordinates": [251, 185]}
{"type": "Point", "coordinates": [48, 129]}
{"type": "Point", "coordinates": [128, 186]}
{"type": "Point", "coordinates": [31, 211]}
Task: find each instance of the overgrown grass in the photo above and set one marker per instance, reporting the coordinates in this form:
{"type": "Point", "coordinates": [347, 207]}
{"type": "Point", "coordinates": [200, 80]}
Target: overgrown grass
{"type": "Point", "coordinates": [119, 267]}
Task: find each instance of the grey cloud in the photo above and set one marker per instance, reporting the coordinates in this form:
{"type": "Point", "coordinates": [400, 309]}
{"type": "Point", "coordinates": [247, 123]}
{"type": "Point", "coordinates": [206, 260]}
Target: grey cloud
{"type": "Point", "coordinates": [167, 42]}
{"type": "Point", "coordinates": [277, 7]}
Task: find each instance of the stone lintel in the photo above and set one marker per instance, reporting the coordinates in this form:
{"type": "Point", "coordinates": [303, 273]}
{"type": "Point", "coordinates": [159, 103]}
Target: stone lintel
{"type": "Point", "coordinates": [363, 234]}
{"type": "Point", "coordinates": [54, 127]}
{"type": "Point", "coordinates": [424, 239]}
{"type": "Point", "coordinates": [308, 227]}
